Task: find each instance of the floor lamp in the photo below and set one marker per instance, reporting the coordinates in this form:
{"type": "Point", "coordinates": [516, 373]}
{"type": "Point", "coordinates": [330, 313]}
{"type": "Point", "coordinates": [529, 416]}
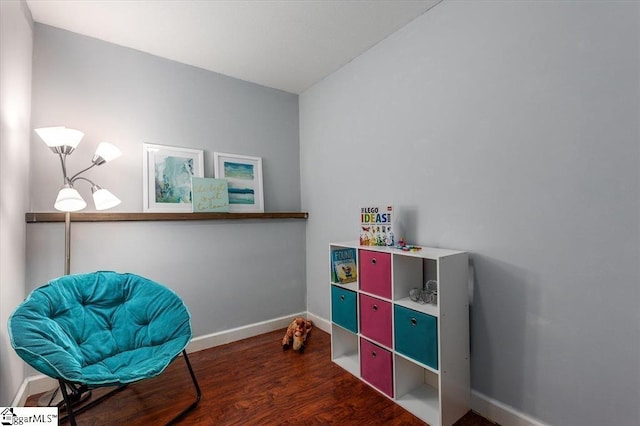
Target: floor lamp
{"type": "Point", "coordinates": [63, 141]}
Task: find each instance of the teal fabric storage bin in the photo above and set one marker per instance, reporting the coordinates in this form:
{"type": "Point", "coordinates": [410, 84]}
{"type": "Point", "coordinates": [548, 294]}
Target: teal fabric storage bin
{"type": "Point", "coordinates": [416, 335]}
{"type": "Point", "coordinates": [344, 311]}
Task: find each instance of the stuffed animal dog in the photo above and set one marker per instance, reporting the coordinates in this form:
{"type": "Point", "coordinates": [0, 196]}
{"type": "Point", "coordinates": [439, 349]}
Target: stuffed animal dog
{"type": "Point", "coordinates": [297, 331]}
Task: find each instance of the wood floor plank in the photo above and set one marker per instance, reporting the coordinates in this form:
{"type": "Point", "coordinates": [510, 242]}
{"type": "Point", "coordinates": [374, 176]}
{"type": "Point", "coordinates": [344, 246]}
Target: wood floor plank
{"type": "Point", "coordinates": [255, 382]}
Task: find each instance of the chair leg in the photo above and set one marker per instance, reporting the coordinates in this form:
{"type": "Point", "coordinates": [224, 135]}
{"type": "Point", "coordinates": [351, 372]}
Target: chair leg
{"type": "Point", "coordinates": [195, 385]}
{"type": "Point", "coordinates": [76, 395]}
{"type": "Point", "coordinates": [68, 402]}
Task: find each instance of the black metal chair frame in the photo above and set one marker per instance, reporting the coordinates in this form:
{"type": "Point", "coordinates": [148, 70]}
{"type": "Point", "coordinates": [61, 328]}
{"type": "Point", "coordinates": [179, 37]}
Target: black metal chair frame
{"type": "Point", "coordinates": [72, 394]}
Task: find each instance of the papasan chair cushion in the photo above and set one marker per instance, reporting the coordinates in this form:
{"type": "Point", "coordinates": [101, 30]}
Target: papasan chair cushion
{"type": "Point", "coordinates": [100, 329]}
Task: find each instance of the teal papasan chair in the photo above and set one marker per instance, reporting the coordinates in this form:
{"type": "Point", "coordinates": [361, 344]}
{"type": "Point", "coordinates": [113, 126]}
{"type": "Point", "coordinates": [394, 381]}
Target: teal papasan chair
{"type": "Point", "coordinates": [101, 329]}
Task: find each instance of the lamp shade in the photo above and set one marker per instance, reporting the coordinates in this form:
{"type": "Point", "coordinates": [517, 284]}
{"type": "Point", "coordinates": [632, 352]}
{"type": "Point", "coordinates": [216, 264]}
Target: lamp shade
{"type": "Point", "coordinates": [103, 198]}
{"type": "Point", "coordinates": [105, 153]}
{"type": "Point", "coordinates": [60, 136]}
{"type": "Point", "coordinates": [69, 200]}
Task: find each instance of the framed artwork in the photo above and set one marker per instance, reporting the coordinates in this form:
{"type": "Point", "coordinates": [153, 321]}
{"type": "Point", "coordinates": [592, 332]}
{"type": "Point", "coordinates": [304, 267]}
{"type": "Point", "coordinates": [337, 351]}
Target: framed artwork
{"type": "Point", "coordinates": [167, 173]}
{"type": "Point", "coordinates": [244, 177]}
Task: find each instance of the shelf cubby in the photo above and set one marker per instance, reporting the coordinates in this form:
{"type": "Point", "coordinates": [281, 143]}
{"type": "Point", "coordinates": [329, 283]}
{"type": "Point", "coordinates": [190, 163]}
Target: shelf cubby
{"type": "Point", "coordinates": [344, 349]}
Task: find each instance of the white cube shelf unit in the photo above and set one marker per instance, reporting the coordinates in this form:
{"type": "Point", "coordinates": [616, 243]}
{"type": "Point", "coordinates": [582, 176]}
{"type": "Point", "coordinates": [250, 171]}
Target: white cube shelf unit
{"type": "Point", "coordinates": [416, 354]}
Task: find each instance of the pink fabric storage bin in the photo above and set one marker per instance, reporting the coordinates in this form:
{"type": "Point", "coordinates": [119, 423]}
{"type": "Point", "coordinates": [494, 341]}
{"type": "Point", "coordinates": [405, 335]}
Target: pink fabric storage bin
{"type": "Point", "coordinates": [375, 319]}
{"type": "Point", "coordinates": [375, 273]}
{"type": "Point", "coordinates": [376, 366]}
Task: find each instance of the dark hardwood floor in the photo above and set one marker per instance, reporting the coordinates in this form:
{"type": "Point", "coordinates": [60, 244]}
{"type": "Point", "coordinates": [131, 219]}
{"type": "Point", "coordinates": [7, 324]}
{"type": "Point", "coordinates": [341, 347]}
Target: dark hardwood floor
{"type": "Point", "coordinates": [255, 382]}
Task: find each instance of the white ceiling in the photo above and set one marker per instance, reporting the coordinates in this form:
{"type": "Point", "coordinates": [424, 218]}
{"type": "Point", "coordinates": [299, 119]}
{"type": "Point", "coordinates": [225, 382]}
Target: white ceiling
{"type": "Point", "coordinates": [288, 45]}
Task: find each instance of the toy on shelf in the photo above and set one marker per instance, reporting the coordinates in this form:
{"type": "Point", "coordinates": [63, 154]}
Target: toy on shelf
{"type": "Point", "coordinates": [297, 332]}
{"type": "Point", "coordinates": [402, 245]}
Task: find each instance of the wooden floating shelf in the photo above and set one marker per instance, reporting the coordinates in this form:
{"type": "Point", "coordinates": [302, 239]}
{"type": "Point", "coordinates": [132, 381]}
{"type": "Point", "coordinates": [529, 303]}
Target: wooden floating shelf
{"type": "Point", "coordinates": [138, 217]}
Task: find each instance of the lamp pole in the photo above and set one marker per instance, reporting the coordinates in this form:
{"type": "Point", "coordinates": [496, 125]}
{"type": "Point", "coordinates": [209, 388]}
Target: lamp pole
{"type": "Point", "coordinates": [67, 243]}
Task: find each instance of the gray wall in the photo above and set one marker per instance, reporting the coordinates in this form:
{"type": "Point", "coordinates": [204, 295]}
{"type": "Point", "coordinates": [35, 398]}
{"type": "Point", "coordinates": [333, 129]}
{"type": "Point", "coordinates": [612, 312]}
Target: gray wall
{"type": "Point", "coordinates": [229, 273]}
{"type": "Point", "coordinates": [16, 47]}
{"type": "Point", "coordinates": [508, 129]}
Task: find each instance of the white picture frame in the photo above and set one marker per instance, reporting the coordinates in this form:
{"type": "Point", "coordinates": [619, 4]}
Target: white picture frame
{"type": "Point", "coordinates": [244, 176]}
{"type": "Point", "coordinates": [166, 177]}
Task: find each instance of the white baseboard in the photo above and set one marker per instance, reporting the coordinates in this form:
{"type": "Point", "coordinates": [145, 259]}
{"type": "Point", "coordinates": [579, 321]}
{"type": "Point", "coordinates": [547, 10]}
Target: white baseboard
{"type": "Point", "coordinates": [499, 412]}
{"type": "Point", "coordinates": [244, 332]}
{"type": "Point", "coordinates": [320, 322]}
{"type": "Point", "coordinates": [227, 336]}
{"type": "Point", "coordinates": [31, 386]}
{"type": "Point", "coordinates": [21, 396]}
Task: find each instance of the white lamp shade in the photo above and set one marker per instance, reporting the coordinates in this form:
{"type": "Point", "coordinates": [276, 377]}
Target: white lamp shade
{"type": "Point", "coordinates": [107, 152]}
{"type": "Point", "coordinates": [104, 199]}
{"type": "Point", "coordinates": [60, 136]}
{"type": "Point", "coordinates": [69, 200]}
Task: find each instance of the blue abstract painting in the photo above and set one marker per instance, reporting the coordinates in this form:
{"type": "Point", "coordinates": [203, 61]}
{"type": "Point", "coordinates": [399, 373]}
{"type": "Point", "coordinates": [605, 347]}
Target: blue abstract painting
{"type": "Point", "coordinates": [173, 179]}
{"type": "Point", "coordinates": [241, 180]}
